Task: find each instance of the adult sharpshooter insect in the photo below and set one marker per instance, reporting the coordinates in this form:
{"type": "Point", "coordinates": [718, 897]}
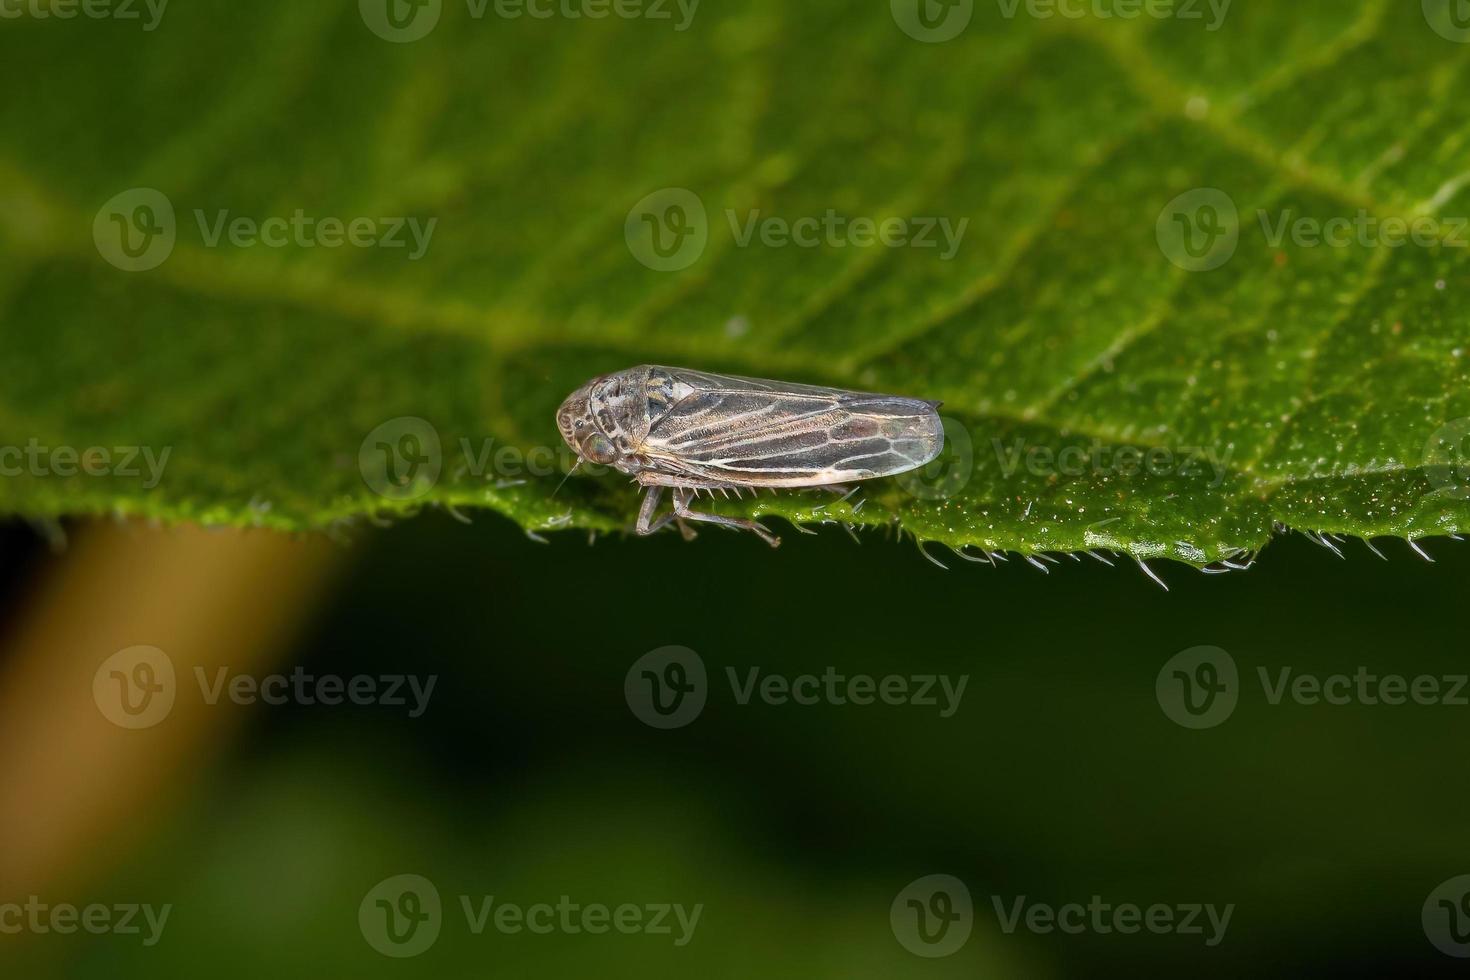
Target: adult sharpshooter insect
{"type": "Point", "coordinates": [691, 431]}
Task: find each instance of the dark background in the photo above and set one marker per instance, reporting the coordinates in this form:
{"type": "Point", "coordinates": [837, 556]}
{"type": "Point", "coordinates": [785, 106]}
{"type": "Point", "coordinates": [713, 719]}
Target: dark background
{"type": "Point", "coordinates": [1059, 777]}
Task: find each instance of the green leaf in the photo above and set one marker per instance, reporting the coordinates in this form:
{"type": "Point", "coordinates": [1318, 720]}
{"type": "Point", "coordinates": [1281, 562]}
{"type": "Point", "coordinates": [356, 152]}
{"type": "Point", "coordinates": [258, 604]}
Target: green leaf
{"type": "Point", "coordinates": [1317, 386]}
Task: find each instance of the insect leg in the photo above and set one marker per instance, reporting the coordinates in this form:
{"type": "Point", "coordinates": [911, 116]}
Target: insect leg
{"type": "Point", "coordinates": [646, 523]}
{"type": "Point", "coordinates": [681, 509]}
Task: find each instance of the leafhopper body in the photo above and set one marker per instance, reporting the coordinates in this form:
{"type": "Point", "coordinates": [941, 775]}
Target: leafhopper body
{"type": "Point", "coordinates": [691, 430]}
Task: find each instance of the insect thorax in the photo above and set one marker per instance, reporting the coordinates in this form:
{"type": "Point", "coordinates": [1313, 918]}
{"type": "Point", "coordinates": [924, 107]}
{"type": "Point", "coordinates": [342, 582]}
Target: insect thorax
{"type": "Point", "coordinates": [618, 406]}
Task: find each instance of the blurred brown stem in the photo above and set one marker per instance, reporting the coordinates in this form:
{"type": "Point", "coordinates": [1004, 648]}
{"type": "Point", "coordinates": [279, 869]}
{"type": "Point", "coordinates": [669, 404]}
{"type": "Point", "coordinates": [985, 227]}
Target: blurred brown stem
{"type": "Point", "coordinates": [77, 789]}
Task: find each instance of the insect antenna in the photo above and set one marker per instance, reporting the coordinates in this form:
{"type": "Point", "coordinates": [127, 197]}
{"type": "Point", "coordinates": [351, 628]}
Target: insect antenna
{"type": "Point", "coordinates": [567, 477]}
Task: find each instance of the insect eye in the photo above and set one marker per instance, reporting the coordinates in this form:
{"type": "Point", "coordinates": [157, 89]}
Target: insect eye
{"type": "Point", "coordinates": [596, 448]}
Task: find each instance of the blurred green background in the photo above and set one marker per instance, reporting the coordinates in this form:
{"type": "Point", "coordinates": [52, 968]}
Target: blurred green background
{"type": "Point", "coordinates": [1058, 778]}
{"type": "Point", "coordinates": [799, 831]}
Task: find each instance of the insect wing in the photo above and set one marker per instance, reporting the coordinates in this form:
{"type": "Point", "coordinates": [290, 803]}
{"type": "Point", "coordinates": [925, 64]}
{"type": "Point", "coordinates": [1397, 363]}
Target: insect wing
{"type": "Point", "coordinates": [752, 432]}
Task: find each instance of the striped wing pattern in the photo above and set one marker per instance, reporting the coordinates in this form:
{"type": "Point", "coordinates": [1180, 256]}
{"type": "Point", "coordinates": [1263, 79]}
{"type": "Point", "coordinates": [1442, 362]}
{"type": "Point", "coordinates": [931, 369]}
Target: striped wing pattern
{"type": "Point", "coordinates": [746, 431]}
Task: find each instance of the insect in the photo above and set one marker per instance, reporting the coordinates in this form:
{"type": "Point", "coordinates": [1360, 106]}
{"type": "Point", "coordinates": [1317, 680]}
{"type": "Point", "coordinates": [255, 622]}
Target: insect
{"type": "Point", "coordinates": [689, 431]}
